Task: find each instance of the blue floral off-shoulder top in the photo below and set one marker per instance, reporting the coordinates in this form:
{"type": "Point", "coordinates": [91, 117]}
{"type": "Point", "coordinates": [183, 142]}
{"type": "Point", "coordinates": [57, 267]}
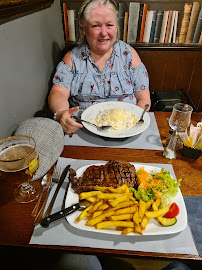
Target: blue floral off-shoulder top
{"type": "Point", "coordinates": [119, 81]}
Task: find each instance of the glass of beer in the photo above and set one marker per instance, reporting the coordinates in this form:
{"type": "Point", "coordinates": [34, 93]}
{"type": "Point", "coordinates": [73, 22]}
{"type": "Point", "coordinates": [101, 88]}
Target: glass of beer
{"type": "Point", "coordinates": [18, 155]}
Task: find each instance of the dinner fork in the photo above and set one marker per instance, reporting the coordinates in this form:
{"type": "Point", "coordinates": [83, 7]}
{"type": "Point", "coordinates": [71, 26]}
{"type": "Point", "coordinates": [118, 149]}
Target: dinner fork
{"type": "Point", "coordinates": [141, 121]}
{"type": "Point", "coordinates": [56, 174]}
{"type": "Point", "coordinates": [92, 124]}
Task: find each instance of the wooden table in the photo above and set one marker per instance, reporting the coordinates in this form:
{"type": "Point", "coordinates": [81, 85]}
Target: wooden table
{"type": "Point", "coordinates": [15, 219]}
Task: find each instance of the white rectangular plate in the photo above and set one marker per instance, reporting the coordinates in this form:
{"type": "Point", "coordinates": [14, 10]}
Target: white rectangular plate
{"type": "Point", "coordinates": [153, 227]}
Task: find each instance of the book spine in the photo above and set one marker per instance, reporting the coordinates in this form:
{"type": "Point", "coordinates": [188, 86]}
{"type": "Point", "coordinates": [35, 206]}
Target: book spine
{"type": "Point", "coordinates": [193, 20]}
{"type": "Point", "coordinates": [185, 22]}
{"type": "Point", "coordinates": [158, 26]}
{"type": "Point", "coordinates": [148, 24]}
{"type": "Point", "coordinates": [65, 21]}
{"type": "Point", "coordinates": [171, 27]}
{"type": "Point", "coordinates": [75, 23]}
{"type": "Point", "coordinates": [200, 39]}
{"type": "Point", "coordinates": [71, 25]}
{"type": "Point", "coordinates": [140, 21]}
{"type": "Point", "coordinates": [125, 26]}
{"type": "Point", "coordinates": [143, 22]}
{"type": "Point", "coordinates": [198, 28]}
{"type": "Point", "coordinates": [163, 27]}
{"type": "Point", "coordinates": [175, 26]}
{"type": "Point", "coordinates": [151, 38]}
{"type": "Point", "coordinates": [134, 10]}
{"type": "Point", "coordinates": [168, 25]}
{"type": "Point", "coordinates": [122, 10]}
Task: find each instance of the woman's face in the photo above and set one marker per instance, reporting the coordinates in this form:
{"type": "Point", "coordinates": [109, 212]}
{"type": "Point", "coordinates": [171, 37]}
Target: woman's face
{"type": "Point", "coordinates": [101, 29]}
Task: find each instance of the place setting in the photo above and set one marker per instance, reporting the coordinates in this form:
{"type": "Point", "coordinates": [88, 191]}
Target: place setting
{"type": "Point", "coordinates": [127, 134]}
{"type": "Point", "coordinates": [69, 211]}
{"type": "Point", "coordinates": [61, 227]}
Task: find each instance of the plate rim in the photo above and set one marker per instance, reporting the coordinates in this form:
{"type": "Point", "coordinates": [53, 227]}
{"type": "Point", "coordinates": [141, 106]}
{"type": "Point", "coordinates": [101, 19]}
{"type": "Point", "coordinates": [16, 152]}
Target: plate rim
{"type": "Point", "coordinates": [139, 130]}
{"type": "Point", "coordinates": [118, 233]}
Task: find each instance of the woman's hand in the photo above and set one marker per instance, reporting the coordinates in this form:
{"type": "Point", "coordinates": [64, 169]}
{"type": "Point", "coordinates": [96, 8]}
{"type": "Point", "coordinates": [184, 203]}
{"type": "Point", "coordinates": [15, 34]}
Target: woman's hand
{"type": "Point", "coordinates": [68, 124]}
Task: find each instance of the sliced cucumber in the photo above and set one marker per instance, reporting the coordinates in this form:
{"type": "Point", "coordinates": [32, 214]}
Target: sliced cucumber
{"type": "Point", "coordinates": [167, 221]}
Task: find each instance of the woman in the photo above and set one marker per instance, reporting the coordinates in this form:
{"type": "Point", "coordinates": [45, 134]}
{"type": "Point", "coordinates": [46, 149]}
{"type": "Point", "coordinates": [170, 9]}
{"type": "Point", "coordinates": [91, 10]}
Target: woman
{"type": "Point", "coordinates": [101, 69]}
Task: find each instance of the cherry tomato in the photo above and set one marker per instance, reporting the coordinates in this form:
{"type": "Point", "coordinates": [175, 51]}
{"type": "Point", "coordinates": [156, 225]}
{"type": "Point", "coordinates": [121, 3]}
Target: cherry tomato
{"type": "Point", "coordinates": [173, 211]}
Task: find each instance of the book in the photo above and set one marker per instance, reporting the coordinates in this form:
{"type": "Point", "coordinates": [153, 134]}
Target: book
{"type": "Point", "coordinates": [125, 28]}
{"type": "Point", "coordinates": [171, 27]}
{"type": "Point", "coordinates": [134, 9]}
{"type": "Point", "coordinates": [158, 26]}
{"type": "Point", "coordinates": [198, 28]}
{"type": "Point", "coordinates": [140, 21]}
{"type": "Point", "coordinates": [65, 21]}
{"type": "Point", "coordinates": [71, 25]}
{"type": "Point", "coordinates": [121, 14]}
{"type": "Point", "coordinates": [143, 22]}
{"type": "Point", "coordinates": [200, 39]}
{"type": "Point", "coordinates": [163, 27]}
{"type": "Point", "coordinates": [75, 23]}
{"type": "Point", "coordinates": [168, 25]}
{"type": "Point", "coordinates": [193, 20]}
{"type": "Point", "coordinates": [185, 23]}
{"type": "Point", "coordinates": [175, 26]}
{"type": "Point", "coordinates": [148, 24]}
{"type": "Point", "coordinates": [151, 38]}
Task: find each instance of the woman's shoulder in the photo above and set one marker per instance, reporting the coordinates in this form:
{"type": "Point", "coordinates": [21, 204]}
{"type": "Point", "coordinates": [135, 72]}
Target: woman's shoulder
{"type": "Point", "coordinates": [67, 59]}
{"type": "Point", "coordinates": [128, 52]}
{"type": "Point", "coordinates": [121, 48]}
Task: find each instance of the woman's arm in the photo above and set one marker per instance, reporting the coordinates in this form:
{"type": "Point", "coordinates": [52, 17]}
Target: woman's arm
{"type": "Point", "coordinates": [143, 97]}
{"type": "Point", "coordinates": [58, 103]}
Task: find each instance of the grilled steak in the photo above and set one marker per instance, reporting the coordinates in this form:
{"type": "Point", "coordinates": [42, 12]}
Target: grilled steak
{"type": "Point", "coordinates": [112, 174]}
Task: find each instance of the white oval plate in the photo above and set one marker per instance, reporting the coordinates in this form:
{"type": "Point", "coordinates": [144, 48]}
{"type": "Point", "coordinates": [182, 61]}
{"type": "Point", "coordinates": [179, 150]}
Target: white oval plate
{"type": "Point", "coordinates": [91, 113]}
{"type": "Point", "coordinates": [153, 227]}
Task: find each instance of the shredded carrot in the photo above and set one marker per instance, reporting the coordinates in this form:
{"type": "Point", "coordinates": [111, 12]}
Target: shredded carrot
{"type": "Point", "coordinates": [147, 182]}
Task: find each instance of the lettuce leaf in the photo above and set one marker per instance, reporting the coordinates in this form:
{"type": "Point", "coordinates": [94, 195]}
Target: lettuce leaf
{"type": "Point", "coordinates": [168, 192]}
{"type": "Point", "coordinates": [172, 189]}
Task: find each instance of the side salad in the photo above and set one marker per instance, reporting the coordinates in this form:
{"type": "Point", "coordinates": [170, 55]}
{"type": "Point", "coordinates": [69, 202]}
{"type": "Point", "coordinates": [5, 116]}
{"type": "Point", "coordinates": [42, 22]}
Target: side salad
{"type": "Point", "coordinates": [156, 185]}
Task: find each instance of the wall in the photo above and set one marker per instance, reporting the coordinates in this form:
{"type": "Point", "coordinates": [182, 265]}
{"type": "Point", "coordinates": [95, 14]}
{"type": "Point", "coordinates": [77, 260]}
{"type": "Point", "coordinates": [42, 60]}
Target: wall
{"type": "Point", "coordinates": [30, 48]}
{"type": "Point", "coordinates": [175, 70]}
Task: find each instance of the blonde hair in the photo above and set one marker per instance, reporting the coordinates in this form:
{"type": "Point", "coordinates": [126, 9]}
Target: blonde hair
{"type": "Point", "coordinates": [84, 11]}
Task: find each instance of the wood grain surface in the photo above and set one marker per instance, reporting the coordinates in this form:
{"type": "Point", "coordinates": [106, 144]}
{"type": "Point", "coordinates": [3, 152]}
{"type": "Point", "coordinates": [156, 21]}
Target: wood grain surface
{"type": "Point", "coordinates": [16, 221]}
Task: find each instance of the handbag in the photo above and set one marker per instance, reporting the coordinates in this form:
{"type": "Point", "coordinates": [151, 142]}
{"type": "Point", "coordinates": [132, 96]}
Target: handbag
{"type": "Point", "coordinates": [165, 100]}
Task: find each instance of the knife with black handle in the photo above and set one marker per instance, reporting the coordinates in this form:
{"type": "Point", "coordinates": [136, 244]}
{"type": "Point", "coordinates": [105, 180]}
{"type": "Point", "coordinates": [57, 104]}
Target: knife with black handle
{"type": "Point", "coordinates": [62, 213]}
{"type": "Point", "coordinates": [62, 178]}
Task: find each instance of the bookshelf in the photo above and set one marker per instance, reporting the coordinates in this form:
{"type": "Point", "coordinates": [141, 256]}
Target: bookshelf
{"type": "Point", "coordinates": [154, 5]}
{"type": "Point", "coordinates": [171, 66]}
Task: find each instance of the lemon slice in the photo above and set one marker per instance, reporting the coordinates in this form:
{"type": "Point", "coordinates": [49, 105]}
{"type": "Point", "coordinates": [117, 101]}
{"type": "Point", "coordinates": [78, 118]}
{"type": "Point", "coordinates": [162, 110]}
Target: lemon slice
{"type": "Point", "coordinates": [33, 166]}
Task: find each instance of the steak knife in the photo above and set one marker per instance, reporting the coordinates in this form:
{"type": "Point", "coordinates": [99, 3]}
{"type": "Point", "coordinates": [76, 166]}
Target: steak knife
{"type": "Point", "coordinates": [63, 213]}
{"type": "Point", "coordinates": [62, 178]}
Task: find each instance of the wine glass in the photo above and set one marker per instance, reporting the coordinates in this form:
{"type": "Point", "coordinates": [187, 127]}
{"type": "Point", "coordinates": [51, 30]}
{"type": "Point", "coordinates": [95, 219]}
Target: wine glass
{"type": "Point", "coordinates": [181, 117]}
{"type": "Point", "coordinates": [18, 155]}
{"type": "Point", "coordinates": [179, 121]}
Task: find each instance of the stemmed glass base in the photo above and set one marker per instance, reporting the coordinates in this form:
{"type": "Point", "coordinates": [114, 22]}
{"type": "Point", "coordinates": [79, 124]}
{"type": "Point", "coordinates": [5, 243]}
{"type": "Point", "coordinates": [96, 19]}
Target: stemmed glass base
{"type": "Point", "coordinates": [27, 192]}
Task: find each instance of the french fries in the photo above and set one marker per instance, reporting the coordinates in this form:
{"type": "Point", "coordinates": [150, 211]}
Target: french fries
{"type": "Point", "coordinates": [116, 207]}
